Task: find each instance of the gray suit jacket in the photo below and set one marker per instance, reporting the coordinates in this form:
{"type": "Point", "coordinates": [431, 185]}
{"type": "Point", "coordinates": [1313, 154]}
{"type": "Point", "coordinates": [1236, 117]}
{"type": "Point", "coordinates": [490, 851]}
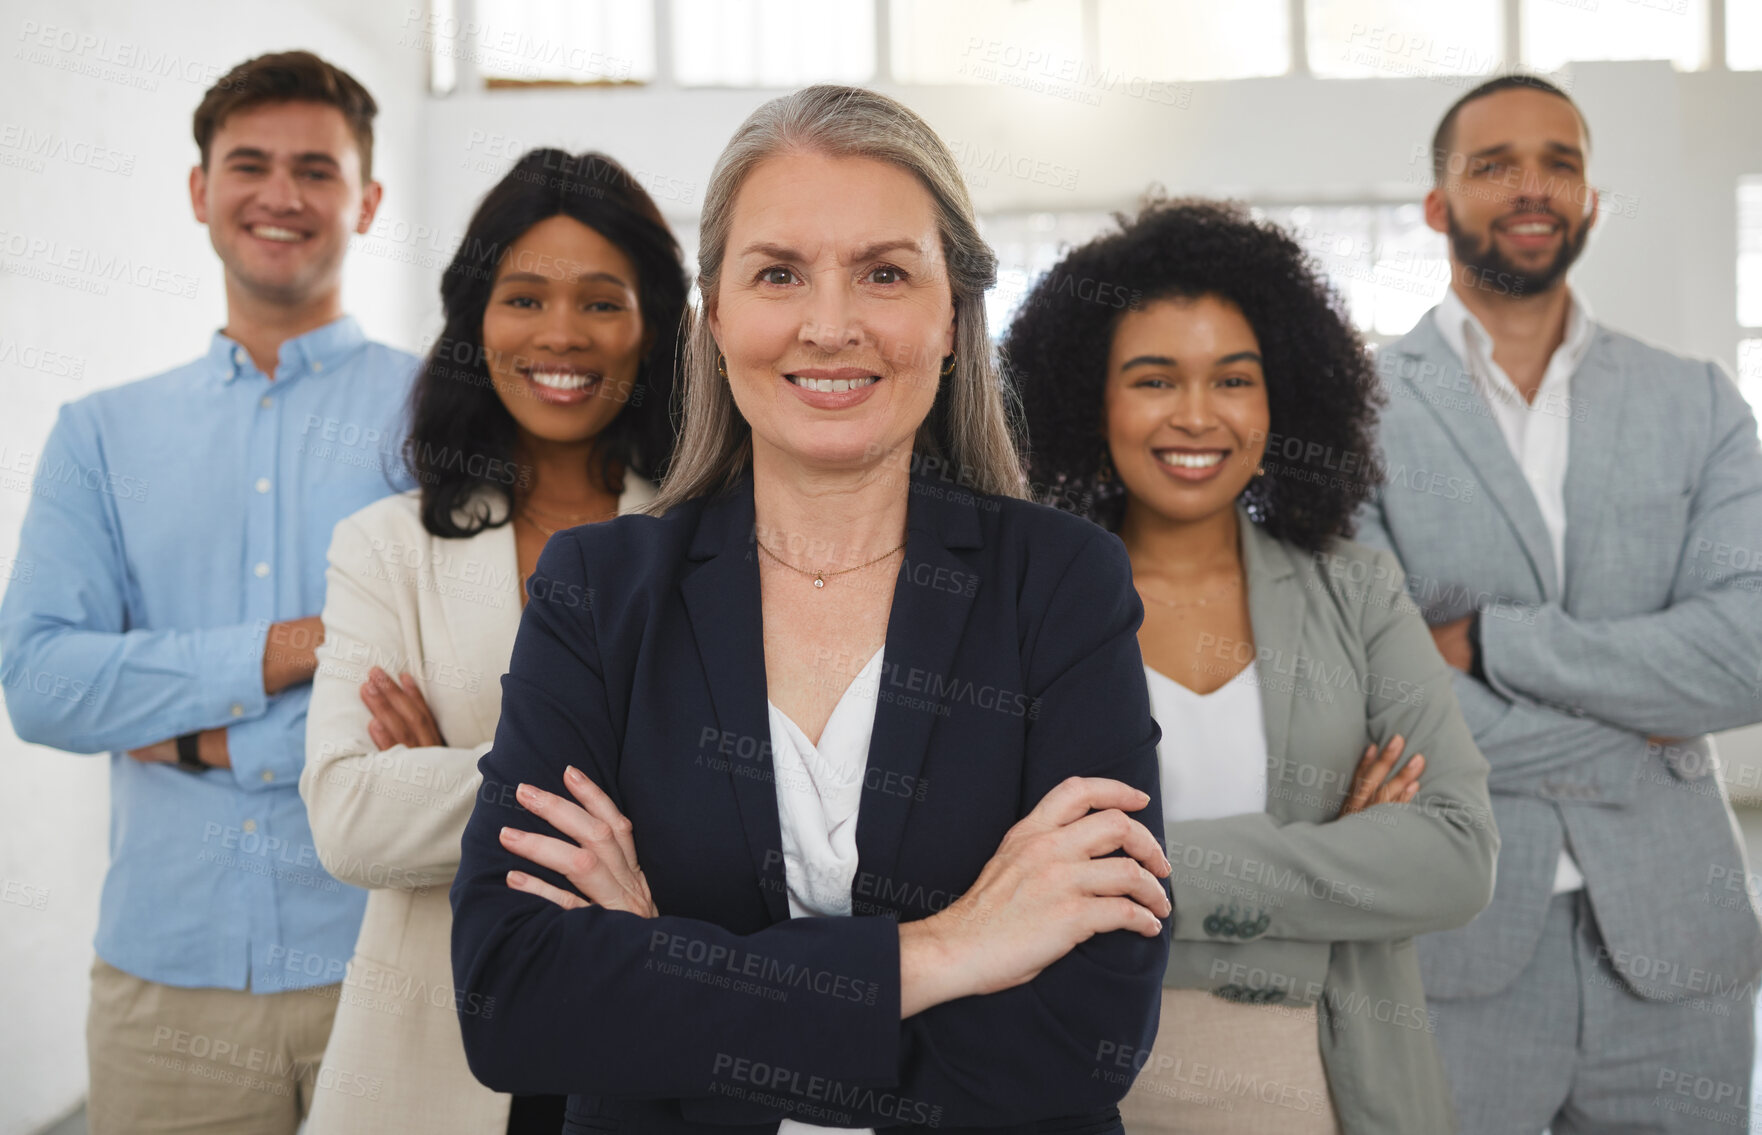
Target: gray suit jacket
{"type": "Point", "coordinates": [1658, 632]}
{"type": "Point", "coordinates": [1294, 906]}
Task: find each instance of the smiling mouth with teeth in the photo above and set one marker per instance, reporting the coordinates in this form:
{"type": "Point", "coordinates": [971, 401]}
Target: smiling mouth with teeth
{"type": "Point", "coordinates": [832, 385]}
{"type": "Point", "coordinates": [563, 379]}
{"type": "Point", "coordinates": [1189, 460]}
{"type": "Point", "coordinates": [1531, 228]}
{"type": "Point", "coordinates": [277, 233]}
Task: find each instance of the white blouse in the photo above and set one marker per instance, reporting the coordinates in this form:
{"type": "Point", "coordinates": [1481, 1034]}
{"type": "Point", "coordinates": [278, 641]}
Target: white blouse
{"type": "Point", "coordinates": [818, 791]}
{"type": "Point", "coordinates": [1213, 750]}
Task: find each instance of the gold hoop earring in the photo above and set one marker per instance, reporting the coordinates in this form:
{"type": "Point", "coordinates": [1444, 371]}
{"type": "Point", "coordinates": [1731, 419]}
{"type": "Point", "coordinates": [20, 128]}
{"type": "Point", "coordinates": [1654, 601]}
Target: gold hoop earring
{"type": "Point", "coordinates": [721, 364]}
{"type": "Point", "coordinates": [948, 366]}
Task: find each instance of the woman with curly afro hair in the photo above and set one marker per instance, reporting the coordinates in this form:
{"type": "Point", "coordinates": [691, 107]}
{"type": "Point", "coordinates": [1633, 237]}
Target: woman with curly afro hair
{"type": "Point", "coordinates": [1191, 384]}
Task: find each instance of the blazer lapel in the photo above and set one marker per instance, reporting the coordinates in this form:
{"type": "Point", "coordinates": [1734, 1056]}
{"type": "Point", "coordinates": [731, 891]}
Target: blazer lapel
{"type": "Point", "coordinates": [722, 601]}
{"type": "Point", "coordinates": [1599, 389]}
{"type": "Point", "coordinates": [931, 599]}
{"type": "Point", "coordinates": [1275, 611]}
{"type": "Point", "coordinates": [481, 629]}
{"type": "Point", "coordinates": [1465, 416]}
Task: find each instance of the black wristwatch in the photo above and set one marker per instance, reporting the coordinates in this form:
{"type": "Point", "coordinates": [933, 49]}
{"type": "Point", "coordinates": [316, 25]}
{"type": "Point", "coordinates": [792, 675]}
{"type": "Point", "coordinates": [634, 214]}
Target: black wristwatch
{"type": "Point", "coordinates": [188, 755]}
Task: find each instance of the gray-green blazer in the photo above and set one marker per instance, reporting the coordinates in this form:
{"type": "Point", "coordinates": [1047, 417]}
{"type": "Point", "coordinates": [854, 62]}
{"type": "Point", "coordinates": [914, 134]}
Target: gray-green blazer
{"type": "Point", "coordinates": [1291, 906]}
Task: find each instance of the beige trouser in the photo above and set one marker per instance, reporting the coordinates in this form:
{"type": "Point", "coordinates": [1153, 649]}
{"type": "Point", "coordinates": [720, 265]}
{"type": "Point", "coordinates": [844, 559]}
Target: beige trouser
{"type": "Point", "coordinates": [1224, 1068]}
{"type": "Point", "coordinates": [165, 1058]}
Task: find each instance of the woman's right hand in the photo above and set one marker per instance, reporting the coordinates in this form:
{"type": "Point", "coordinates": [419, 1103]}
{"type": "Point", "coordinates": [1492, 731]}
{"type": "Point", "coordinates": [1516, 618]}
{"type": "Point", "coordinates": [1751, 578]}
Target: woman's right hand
{"type": "Point", "coordinates": [1053, 884]}
{"type": "Point", "coordinates": [1372, 784]}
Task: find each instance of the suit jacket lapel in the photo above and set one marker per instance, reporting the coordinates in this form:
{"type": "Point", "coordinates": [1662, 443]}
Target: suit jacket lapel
{"type": "Point", "coordinates": [722, 601]}
{"type": "Point", "coordinates": [481, 620]}
{"type": "Point", "coordinates": [1458, 406]}
{"type": "Point", "coordinates": [931, 599]}
{"type": "Point", "coordinates": [1597, 400]}
{"type": "Point", "coordinates": [1275, 611]}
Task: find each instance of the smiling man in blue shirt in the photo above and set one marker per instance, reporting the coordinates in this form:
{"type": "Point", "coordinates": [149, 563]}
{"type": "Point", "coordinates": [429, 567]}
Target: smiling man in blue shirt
{"type": "Point", "coordinates": [177, 535]}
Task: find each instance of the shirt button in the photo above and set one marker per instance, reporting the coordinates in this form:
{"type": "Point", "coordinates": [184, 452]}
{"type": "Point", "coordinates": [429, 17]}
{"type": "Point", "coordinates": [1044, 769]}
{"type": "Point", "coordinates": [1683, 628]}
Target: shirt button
{"type": "Point", "coordinates": [268, 776]}
{"type": "Point", "coordinates": [249, 826]}
{"type": "Point", "coordinates": [240, 356]}
{"type": "Point", "coordinates": [238, 710]}
{"type": "Point", "coordinates": [316, 365]}
{"type": "Point", "coordinates": [261, 570]}
{"type": "Point", "coordinates": [263, 484]}
{"type": "Point", "coordinates": [267, 402]}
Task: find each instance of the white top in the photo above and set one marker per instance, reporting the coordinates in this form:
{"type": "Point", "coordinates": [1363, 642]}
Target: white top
{"type": "Point", "coordinates": [818, 791]}
{"type": "Point", "coordinates": [1538, 434]}
{"type": "Point", "coordinates": [1212, 755]}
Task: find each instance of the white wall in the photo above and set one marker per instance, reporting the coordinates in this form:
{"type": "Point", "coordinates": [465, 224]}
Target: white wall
{"type": "Point", "coordinates": [1672, 144]}
{"type": "Point", "coordinates": [53, 812]}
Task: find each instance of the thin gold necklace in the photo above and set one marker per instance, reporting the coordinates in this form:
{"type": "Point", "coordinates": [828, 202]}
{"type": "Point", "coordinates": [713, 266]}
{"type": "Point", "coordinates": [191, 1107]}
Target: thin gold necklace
{"type": "Point", "coordinates": [821, 576]}
{"type": "Point", "coordinates": [1195, 603]}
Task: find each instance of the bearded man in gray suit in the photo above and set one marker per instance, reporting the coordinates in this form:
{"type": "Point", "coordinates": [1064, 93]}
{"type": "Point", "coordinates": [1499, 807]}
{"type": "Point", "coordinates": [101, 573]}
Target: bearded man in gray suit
{"type": "Point", "coordinates": [1580, 518]}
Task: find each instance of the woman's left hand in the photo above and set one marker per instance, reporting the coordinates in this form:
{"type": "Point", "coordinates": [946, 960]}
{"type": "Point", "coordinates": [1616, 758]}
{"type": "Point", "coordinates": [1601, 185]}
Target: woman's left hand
{"type": "Point", "coordinates": [601, 863]}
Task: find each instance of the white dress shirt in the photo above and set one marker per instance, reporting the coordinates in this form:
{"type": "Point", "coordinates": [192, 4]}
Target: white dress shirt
{"type": "Point", "coordinates": [1538, 434]}
{"type": "Point", "coordinates": [1212, 755]}
{"type": "Point", "coordinates": [819, 789]}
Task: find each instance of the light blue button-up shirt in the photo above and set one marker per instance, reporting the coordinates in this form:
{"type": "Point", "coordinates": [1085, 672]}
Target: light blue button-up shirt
{"type": "Point", "coordinates": [172, 521]}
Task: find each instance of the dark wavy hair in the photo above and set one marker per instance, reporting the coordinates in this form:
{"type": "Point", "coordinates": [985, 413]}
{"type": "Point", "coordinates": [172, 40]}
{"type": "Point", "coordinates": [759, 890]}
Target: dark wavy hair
{"type": "Point", "coordinates": [1321, 387]}
{"type": "Point", "coordinates": [462, 439]}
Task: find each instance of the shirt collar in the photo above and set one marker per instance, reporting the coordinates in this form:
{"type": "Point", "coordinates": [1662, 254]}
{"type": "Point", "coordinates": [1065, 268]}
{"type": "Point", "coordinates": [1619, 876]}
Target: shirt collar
{"type": "Point", "coordinates": [1458, 326]}
{"type": "Point", "coordinates": [315, 352]}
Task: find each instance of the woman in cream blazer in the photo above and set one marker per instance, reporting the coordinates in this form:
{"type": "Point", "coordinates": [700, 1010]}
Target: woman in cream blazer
{"type": "Point", "coordinates": [390, 819]}
{"type": "Point", "coordinates": [563, 304]}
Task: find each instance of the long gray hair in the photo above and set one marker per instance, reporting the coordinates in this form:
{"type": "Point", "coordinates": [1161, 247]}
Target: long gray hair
{"type": "Point", "coordinates": [970, 428]}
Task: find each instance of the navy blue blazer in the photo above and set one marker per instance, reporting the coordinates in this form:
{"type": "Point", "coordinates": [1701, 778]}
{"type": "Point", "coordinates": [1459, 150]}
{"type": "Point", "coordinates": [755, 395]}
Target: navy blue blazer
{"type": "Point", "coordinates": [1012, 663]}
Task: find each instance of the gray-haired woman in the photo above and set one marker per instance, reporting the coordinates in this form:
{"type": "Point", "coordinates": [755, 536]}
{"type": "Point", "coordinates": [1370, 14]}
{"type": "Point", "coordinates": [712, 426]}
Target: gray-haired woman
{"type": "Point", "coordinates": [837, 700]}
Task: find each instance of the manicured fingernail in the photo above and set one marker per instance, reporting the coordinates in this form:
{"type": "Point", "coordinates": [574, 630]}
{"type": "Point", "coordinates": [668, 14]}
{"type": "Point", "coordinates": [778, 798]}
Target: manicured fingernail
{"type": "Point", "coordinates": [526, 794]}
{"type": "Point", "coordinates": [572, 774]}
{"type": "Point", "coordinates": [517, 878]}
{"type": "Point", "coordinates": [512, 835]}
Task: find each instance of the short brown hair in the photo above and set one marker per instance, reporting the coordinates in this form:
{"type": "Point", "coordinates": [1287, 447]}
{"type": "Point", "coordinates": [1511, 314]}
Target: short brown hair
{"type": "Point", "coordinates": [1445, 136]}
{"type": "Point", "coordinates": [288, 76]}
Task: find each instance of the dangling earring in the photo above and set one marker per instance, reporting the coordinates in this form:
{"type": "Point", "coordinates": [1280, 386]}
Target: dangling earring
{"type": "Point", "coordinates": [721, 364]}
{"type": "Point", "coordinates": [948, 366]}
{"type": "Point", "coordinates": [1106, 475]}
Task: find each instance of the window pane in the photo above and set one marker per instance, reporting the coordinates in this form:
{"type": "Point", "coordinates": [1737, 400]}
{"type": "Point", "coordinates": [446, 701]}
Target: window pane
{"type": "Point", "coordinates": [1352, 39]}
{"type": "Point", "coordinates": [1558, 31]}
{"type": "Point", "coordinates": [1743, 35]}
{"type": "Point", "coordinates": [1383, 260]}
{"type": "Point", "coordinates": [1194, 39]}
{"type": "Point", "coordinates": [1750, 251]}
{"type": "Point", "coordinates": [1016, 42]}
{"type": "Point", "coordinates": [1027, 246]}
{"type": "Point", "coordinates": [571, 41]}
{"type": "Point", "coordinates": [773, 43]}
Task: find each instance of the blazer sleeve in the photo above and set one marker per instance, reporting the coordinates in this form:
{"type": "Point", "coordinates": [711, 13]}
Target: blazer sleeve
{"type": "Point", "coordinates": [1691, 668]}
{"type": "Point", "coordinates": [380, 818]}
{"type": "Point", "coordinates": [592, 1001]}
{"type": "Point", "coordinates": [1528, 744]}
{"type": "Point", "coordinates": [1032, 1052]}
{"type": "Point", "coordinates": [1027, 1052]}
{"type": "Point", "coordinates": [1388, 872]}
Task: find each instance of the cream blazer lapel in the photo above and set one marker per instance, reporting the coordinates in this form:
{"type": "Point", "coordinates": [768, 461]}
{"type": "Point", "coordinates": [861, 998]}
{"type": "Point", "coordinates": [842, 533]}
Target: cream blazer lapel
{"type": "Point", "coordinates": [481, 632]}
